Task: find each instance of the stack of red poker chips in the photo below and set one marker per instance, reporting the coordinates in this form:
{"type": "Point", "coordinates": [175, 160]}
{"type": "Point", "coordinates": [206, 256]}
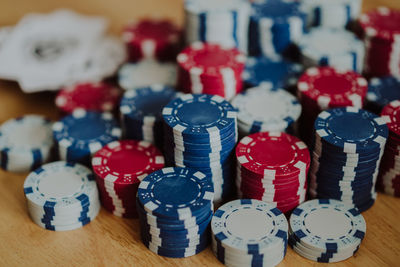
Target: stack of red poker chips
{"type": "Point", "coordinates": [381, 32]}
{"type": "Point", "coordinates": [150, 38]}
{"type": "Point", "coordinates": [323, 88]}
{"type": "Point", "coordinates": [100, 96]}
{"type": "Point", "coordinates": [119, 168]}
{"type": "Point", "coordinates": [210, 69]}
{"type": "Point", "coordinates": [389, 172]}
{"type": "Point", "coordinates": [273, 167]}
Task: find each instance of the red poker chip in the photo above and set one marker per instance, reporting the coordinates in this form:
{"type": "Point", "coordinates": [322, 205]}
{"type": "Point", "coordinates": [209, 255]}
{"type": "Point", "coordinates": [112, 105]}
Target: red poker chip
{"type": "Point", "coordinates": [392, 112]}
{"type": "Point", "coordinates": [381, 23]}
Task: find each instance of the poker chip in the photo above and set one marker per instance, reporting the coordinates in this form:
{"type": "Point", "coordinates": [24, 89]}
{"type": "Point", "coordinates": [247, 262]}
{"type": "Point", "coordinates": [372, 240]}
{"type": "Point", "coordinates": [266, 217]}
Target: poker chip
{"type": "Point", "coordinates": [117, 179]}
{"type": "Point", "coordinates": [225, 22]}
{"type": "Point", "coordinates": [263, 240]}
{"type": "Point", "coordinates": [346, 159]}
{"type": "Point", "coordinates": [200, 132]}
{"type": "Point", "coordinates": [79, 135]}
{"type": "Point", "coordinates": [262, 110]}
{"type": "Point", "coordinates": [337, 48]}
{"type": "Point", "coordinates": [99, 97]}
{"type": "Point", "coordinates": [274, 26]}
{"type": "Point", "coordinates": [146, 73]}
{"type": "Point", "coordinates": [210, 69]}
{"type": "Point", "coordinates": [150, 38]}
{"type": "Point", "coordinates": [25, 143]}
{"type": "Point", "coordinates": [175, 207]}
{"type": "Point", "coordinates": [381, 91]}
{"type": "Point", "coordinates": [141, 112]}
{"type": "Point", "coordinates": [273, 167]}
{"type": "Point", "coordinates": [326, 230]}
{"type": "Point", "coordinates": [61, 196]}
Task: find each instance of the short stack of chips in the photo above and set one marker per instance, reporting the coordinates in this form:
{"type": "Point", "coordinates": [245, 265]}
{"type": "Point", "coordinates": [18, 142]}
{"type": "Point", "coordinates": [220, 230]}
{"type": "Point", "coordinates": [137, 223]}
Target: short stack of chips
{"type": "Point", "coordinates": [249, 232]}
{"type": "Point", "coordinates": [154, 39]}
{"type": "Point", "coordinates": [349, 144]}
{"type": "Point", "coordinates": [79, 135]}
{"type": "Point", "coordinates": [389, 173]}
{"type": "Point", "coordinates": [175, 207]}
{"type": "Point", "coordinates": [223, 22]}
{"type": "Point", "coordinates": [141, 112]}
{"type": "Point", "coordinates": [200, 133]}
{"type": "Point", "coordinates": [326, 230]}
{"type": "Point", "coordinates": [381, 91]}
{"type": "Point", "coordinates": [273, 167]}
{"type": "Point", "coordinates": [119, 168]}
{"type": "Point", "coordinates": [25, 143]}
{"type": "Point", "coordinates": [62, 196]}
{"type": "Point", "coordinates": [210, 69]}
{"type": "Point", "coordinates": [261, 110]}
{"type": "Point", "coordinates": [381, 29]}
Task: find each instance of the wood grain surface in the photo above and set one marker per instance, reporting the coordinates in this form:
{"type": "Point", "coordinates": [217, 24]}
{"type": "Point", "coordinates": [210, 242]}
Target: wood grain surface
{"type": "Point", "coordinates": [113, 241]}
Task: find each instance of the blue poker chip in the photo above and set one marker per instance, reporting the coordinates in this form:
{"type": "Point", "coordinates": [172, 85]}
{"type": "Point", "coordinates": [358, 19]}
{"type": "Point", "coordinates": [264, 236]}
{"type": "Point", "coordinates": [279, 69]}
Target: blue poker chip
{"type": "Point", "coordinates": [176, 243]}
{"type": "Point", "coordinates": [381, 91]}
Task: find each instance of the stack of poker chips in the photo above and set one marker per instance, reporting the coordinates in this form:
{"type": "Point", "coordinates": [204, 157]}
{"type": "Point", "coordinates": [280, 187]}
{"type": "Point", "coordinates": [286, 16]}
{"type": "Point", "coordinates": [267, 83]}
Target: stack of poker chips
{"type": "Point", "coordinates": [79, 135]}
{"type": "Point", "coordinates": [119, 168]}
{"type": "Point", "coordinates": [381, 91]}
{"type": "Point", "coordinates": [389, 173]}
{"type": "Point", "coordinates": [175, 207]}
{"type": "Point", "coordinates": [326, 230]}
{"type": "Point", "coordinates": [152, 39]}
{"type": "Point", "coordinates": [381, 31]}
{"type": "Point", "coordinates": [25, 143]}
{"type": "Point", "coordinates": [210, 69]}
{"type": "Point", "coordinates": [223, 22]}
{"type": "Point", "coordinates": [273, 167]}
{"type": "Point", "coordinates": [261, 109]}
{"type": "Point", "coordinates": [349, 144]}
{"type": "Point", "coordinates": [274, 26]}
{"type": "Point", "coordinates": [249, 232]}
{"type": "Point", "coordinates": [200, 132]}
{"type": "Point", "coordinates": [61, 196]}
{"type": "Point", "coordinates": [323, 88]}
{"type": "Point", "coordinates": [141, 112]}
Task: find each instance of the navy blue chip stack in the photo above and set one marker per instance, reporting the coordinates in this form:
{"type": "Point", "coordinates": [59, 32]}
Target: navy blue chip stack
{"type": "Point", "coordinates": [349, 144]}
{"type": "Point", "coordinates": [201, 132]}
{"type": "Point", "coordinates": [381, 91]}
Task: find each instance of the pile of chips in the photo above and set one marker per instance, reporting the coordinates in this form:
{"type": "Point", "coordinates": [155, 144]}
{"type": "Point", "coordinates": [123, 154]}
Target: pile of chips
{"type": "Point", "coordinates": [349, 144]}
{"type": "Point", "coordinates": [381, 91]}
{"type": "Point", "coordinates": [249, 232]}
{"type": "Point", "coordinates": [175, 207]}
{"type": "Point", "coordinates": [62, 196]}
{"type": "Point", "coordinates": [326, 230]}
{"type": "Point", "coordinates": [273, 167]}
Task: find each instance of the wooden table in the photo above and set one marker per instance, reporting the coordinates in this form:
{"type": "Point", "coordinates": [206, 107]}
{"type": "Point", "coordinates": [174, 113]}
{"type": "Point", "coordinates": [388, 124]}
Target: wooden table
{"type": "Point", "coordinates": [110, 240]}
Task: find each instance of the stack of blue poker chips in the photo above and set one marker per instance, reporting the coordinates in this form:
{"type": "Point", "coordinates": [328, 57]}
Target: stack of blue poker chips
{"type": "Point", "coordinates": [141, 112]}
{"type": "Point", "coordinates": [62, 196]}
{"type": "Point", "coordinates": [274, 26]}
{"type": "Point", "coordinates": [175, 207]}
{"type": "Point", "coordinates": [348, 147]}
{"type": "Point", "coordinates": [79, 135]}
{"type": "Point", "coordinates": [381, 91]}
{"type": "Point", "coordinates": [200, 132]}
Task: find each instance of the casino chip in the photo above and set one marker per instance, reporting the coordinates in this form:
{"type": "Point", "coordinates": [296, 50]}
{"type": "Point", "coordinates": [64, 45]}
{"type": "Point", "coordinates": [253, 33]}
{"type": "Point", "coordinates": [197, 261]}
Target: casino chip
{"type": "Point", "coordinates": [118, 179]}
{"type": "Point", "coordinates": [25, 143]}
{"type": "Point", "coordinates": [210, 69]}
{"type": "Point", "coordinates": [346, 159]}
{"type": "Point", "coordinates": [274, 25]}
{"type": "Point", "coordinates": [175, 207]}
{"type": "Point", "coordinates": [249, 232]}
{"type": "Point", "coordinates": [200, 133]}
{"type": "Point", "coordinates": [79, 135]}
{"type": "Point", "coordinates": [381, 91]}
{"type": "Point", "coordinates": [141, 112]}
{"type": "Point", "coordinates": [61, 196]}
{"type": "Point", "coordinates": [273, 167]}
{"type": "Point", "coordinates": [223, 22]}
{"type": "Point", "coordinates": [146, 73]}
{"type": "Point", "coordinates": [88, 96]}
{"type": "Point", "coordinates": [150, 38]}
{"type": "Point", "coordinates": [261, 109]}
{"type": "Point", "coordinates": [326, 230]}
{"type": "Point", "coordinates": [337, 48]}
